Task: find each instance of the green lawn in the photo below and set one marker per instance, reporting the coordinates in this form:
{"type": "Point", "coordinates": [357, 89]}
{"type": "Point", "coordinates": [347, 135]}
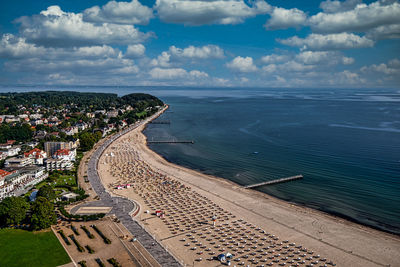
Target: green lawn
{"type": "Point", "coordinates": [24, 248]}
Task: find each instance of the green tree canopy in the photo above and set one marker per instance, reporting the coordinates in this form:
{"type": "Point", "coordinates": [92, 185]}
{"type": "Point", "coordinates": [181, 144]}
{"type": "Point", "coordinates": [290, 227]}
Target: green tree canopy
{"type": "Point", "coordinates": [47, 192]}
{"type": "Point", "coordinates": [87, 141]}
{"type": "Point", "coordinates": [13, 210]}
{"type": "Point", "coordinates": [43, 215]}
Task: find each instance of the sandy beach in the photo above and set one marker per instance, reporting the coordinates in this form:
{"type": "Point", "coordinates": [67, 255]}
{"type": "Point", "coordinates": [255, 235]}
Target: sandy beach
{"type": "Point", "coordinates": [256, 228]}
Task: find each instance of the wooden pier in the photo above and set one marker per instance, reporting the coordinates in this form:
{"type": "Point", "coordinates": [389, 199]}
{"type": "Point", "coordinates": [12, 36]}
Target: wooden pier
{"type": "Point", "coordinates": [276, 181]}
{"type": "Point", "coordinates": [160, 122]}
{"type": "Point", "coordinates": [171, 142]}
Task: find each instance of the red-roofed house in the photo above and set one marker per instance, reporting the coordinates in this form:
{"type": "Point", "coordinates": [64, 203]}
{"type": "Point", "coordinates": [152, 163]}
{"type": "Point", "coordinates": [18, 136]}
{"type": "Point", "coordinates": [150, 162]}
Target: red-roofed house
{"type": "Point", "coordinates": [3, 175]}
{"type": "Point", "coordinates": [36, 154]}
{"type": "Point", "coordinates": [65, 154]}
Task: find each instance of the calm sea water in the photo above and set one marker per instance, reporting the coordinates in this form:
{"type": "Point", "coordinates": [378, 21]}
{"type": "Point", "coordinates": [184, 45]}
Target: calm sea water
{"type": "Point", "coordinates": [345, 142]}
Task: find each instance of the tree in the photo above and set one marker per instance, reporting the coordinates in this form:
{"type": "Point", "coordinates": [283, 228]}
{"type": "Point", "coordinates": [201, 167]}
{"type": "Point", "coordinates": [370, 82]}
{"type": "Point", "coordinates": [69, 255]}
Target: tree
{"type": "Point", "coordinates": [47, 192]}
{"type": "Point", "coordinates": [43, 215]}
{"type": "Point", "coordinates": [87, 141]}
{"type": "Point", "coordinates": [13, 210]}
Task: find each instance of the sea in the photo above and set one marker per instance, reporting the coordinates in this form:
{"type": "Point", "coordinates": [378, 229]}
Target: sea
{"type": "Point", "coordinates": [345, 142]}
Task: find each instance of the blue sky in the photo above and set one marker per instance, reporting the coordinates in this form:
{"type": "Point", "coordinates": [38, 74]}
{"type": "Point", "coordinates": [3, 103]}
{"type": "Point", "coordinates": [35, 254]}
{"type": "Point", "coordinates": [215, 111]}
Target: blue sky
{"type": "Point", "coordinates": [256, 43]}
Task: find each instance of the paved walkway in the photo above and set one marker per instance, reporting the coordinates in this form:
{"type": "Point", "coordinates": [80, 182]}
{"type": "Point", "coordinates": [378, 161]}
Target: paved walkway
{"type": "Point", "coordinates": [121, 207]}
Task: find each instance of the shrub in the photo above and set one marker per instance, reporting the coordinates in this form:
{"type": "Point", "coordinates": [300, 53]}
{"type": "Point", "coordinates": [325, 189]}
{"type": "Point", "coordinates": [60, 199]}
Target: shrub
{"type": "Point", "coordinates": [114, 262]}
{"type": "Point", "coordinates": [100, 263]}
{"type": "Point", "coordinates": [90, 249]}
{"type": "Point", "coordinates": [78, 246]}
{"type": "Point", "coordinates": [75, 230]}
{"type": "Point", "coordinates": [61, 232]}
{"type": "Point", "coordinates": [89, 234]}
{"type": "Point", "coordinates": [105, 239]}
{"type": "Point", "coordinates": [82, 263]}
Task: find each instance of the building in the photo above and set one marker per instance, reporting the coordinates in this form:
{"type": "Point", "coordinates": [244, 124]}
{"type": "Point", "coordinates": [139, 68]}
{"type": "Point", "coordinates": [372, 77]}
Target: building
{"type": "Point", "coordinates": [112, 113]}
{"type": "Point", "coordinates": [52, 147]}
{"type": "Point", "coordinates": [18, 162]}
{"type": "Point", "coordinates": [58, 164]}
{"type": "Point", "coordinates": [10, 151]}
{"type": "Point", "coordinates": [65, 154]}
{"type": "Point", "coordinates": [37, 155]}
{"type": "Point", "coordinates": [70, 130]}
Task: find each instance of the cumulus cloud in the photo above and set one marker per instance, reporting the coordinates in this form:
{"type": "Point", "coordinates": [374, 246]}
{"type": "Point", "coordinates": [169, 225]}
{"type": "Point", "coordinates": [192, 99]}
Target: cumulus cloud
{"type": "Point", "coordinates": [335, 6]}
{"type": "Point", "coordinates": [120, 13]}
{"type": "Point", "coordinates": [135, 51]}
{"type": "Point", "coordinates": [203, 52]}
{"type": "Point", "coordinates": [384, 32]}
{"type": "Point", "coordinates": [282, 18]}
{"type": "Point", "coordinates": [274, 58]}
{"type": "Point", "coordinates": [200, 12]}
{"type": "Point", "coordinates": [323, 57]}
{"type": "Point", "coordinates": [162, 60]}
{"type": "Point", "coordinates": [360, 19]}
{"type": "Point", "coordinates": [54, 27]}
{"type": "Point", "coordinates": [15, 47]}
{"type": "Point", "coordinates": [175, 73]}
{"type": "Point", "coordinates": [336, 41]}
{"type": "Point", "coordinates": [242, 64]}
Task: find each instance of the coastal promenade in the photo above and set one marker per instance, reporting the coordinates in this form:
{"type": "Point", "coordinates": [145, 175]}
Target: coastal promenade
{"type": "Point", "coordinates": [122, 207]}
{"type": "Point", "coordinates": [258, 229]}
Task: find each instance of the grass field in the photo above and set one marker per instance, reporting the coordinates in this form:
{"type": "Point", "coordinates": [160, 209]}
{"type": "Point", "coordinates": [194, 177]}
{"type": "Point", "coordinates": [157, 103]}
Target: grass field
{"type": "Point", "coordinates": [24, 248]}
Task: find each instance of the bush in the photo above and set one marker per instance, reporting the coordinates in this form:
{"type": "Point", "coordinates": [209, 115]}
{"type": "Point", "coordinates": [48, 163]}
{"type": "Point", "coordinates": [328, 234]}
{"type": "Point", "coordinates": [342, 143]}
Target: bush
{"type": "Point", "coordinates": [114, 262]}
{"type": "Point", "coordinates": [75, 230]}
{"type": "Point", "coordinates": [82, 263]}
{"type": "Point", "coordinates": [78, 246]}
{"type": "Point", "coordinates": [90, 249]}
{"type": "Point", "coordinates": [61, 232]}
{"type": "Point", "coordinates": [89, 234]}
{"type": "Point", "coordinates": [100, 263]}
{"type": "Point", "coordinates": [105, 239]}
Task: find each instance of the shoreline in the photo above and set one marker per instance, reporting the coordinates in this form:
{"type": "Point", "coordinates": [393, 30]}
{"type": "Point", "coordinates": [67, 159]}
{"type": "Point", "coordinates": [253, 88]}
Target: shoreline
{"type": "Point", "coordinates": [334, 215]}
{"type": "Point", "coordinates": [346, 241]}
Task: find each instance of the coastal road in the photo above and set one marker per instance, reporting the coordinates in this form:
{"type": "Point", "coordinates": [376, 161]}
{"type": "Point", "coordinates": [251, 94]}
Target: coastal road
{"type": "Point", "coordinates": [122, 207]}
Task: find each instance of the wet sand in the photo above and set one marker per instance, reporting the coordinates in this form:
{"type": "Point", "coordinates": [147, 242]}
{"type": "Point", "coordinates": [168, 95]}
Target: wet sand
{"type": "Point", "coordinates": [257, 228]}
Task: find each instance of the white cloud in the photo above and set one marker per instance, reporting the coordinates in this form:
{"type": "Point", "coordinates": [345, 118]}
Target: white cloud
{"type": "Point", "coordinates": [242, 64]}
{"type": "Point", "coordinates": [282, 18]}
{"type": "Point", "coordinates": [15, 47]}
{"type": "Point", "coordinates": [162, 60]}
{"type": "Point", "coordinates": [335, 6]}
{"type": "Point", "coordinates": [274, 58]}
{"type": "Point", "coordinates": [203, 52]}
{"type": "Point", "coordinates": [347, 60]}
{"type": "Point", "coordinates": [360, 19]}
{"type": "Point", "coordinates": [198, 74]}
{"type": "Point", "coordinates": [269, 68]}
{"type": "Point", "coordinates": [175, 73]}
{"type": "Point", "coordinates": [384, 32]}
{"type": "Point", "coordinates": [54, 27]}
{"type": "Point", "coordinates": [336, 41]}
{"type": "Point", "coordinates": [200, 12]}
{"type": "Point", "coordinates": [135, 51]}
{"type": "Point", "coordinates": [120, 13]}
{"type": "Point", "coordinates": [323, 58]}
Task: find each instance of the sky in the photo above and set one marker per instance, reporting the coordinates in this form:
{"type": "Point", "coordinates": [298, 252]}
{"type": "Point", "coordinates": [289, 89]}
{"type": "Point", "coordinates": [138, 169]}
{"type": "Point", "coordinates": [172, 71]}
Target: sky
{"type": "Point", "coordinates": [201, 43]}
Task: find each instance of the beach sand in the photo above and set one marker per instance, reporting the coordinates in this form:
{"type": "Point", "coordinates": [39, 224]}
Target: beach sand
{"type": "Point", "coordinates": [257, 228]}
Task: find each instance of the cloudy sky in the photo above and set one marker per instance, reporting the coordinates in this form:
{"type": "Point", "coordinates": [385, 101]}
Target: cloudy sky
{"type": "Point", "coordinates": [255, 43]}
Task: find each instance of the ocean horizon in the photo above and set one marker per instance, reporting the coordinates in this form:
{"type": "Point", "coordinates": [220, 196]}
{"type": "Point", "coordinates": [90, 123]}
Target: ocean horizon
{"type": "Point", "coordinates": [345, 142]}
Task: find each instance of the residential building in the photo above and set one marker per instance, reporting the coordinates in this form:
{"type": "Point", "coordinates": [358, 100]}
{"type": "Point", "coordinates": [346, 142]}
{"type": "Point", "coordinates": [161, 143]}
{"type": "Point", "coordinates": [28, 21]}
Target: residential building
{"type": "Point", "coordinates": [18, 162]}
{"type": "Point", "coordinates": [58, 164]}
{"type": "Point", "coordinates": [65, 154]}
{"type": "Point", "coordinates": [112, 113]}
{"type": "Point", "coordinates": [52, 147]}
{"type": "Point", "coordinates": [37, 155]}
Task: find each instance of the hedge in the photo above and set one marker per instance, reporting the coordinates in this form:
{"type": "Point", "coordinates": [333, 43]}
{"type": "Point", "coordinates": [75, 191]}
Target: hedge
{"type": "Point", "coordinates": [100, 263]}
{"type": "Point", "coordinates": [78, 246]}
{"type": "Point", "coordinates": [82, 263]}
{"type": "Point", "coordinates": [105, 239]}
{"type": "Point", "coordinates": [89, 234]}
{"type": "Point", "coordinates": [114, 262]}
{"type": "Point", "coordinates": [61, 232]}
{"type": "Point", "coordinates": [90, 249]}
